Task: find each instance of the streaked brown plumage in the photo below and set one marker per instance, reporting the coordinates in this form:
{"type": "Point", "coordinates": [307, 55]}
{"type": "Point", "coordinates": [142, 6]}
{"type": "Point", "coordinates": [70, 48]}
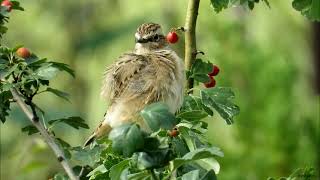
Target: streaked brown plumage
{"type": "Point", "coordinates": [151, 73]}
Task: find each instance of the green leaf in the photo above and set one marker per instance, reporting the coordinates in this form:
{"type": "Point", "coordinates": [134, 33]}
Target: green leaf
{"type": "Point", "coordinates": [201, 153]}
{"type": "Point", "coordinates": [153, 159]}
{"type": "Point", "coordinates": [200, 70]}
{"type": "Point", "coordinates": [201, 77]}
{"type": "Point", "coordinates": [117, 170]}
{"type": "Point", "coordinates": [192, 175]}
{"type": "Point", "coordinates": [35, 62]}
{"type": "Point", "coordinates": [30, 129]}
{"type": "Point", "coordinates": [63, 67]}
{"type": "Point", "coordinates": [143, 175]}
{"type": "Point", "coordinates": [126, 139]}
{"type": "Point", "coordinates": [219, 5]}
{"type": "Point", "coordinates": [194, 115]}
{"type": "Point", "coordinates": [7, 72]}
{"type": "Point", "coordinates": [16, 5]}
{"type": "Point", "coordinates": [47, 72]}
{"type": "Point", "coordinates": [308, 8]}
{"type": "Point", "coordinates": [5, 96]}
{"type": "Point", "coordinates": [157, 115]}
{"type": "Point", "coordinates": [65, 147]}
{"type": "Point", "coordinates": [74, 121]}
{"type": "Point", "coordinates": [209, 164]}
{"type": "Point", "coordinates": [221, 100]}
{"type": "Point", "coordinates": [58, 93]}
{"type": "Point", "coordinates": [86, 156]}
{"type": "Point", "coordinates": [210, 175]}
{"type": "Point", "coordinates": [98, 170]}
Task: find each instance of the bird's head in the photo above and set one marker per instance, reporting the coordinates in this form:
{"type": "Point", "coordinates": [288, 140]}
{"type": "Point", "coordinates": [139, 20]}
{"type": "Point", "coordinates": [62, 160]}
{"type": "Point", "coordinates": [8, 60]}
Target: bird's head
{"type": "Point", "coordinates": [149, 37]}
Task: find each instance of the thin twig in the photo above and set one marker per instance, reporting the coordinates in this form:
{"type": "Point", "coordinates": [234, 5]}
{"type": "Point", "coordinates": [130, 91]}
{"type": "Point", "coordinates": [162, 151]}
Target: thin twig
{"type": "Point", "coordinates": [32, 116]}
{"type": "Point", "coordinates": [190, 36]}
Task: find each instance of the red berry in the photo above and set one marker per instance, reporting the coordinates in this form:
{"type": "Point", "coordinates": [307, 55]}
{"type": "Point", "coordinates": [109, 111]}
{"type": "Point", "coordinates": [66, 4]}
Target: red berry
{"type": "Point", "coordinates": [215, 71]}
{"type": "Point", "coordinates": [211, 83]}
{"type": "Point", "coordinates": [174, 132]}
{"type": "Point", "coordinates": [8, 4]}
{"type": "Point", "coordinates": [23, 52]}
{"type": "Point", "coordinates": [172, 37]}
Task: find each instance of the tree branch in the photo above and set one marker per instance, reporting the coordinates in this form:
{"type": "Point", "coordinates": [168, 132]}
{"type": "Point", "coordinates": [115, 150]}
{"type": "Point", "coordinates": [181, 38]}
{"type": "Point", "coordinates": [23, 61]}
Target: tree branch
{"type": "Point", "coordinates": [190, 37]}
{"type": "Point", "coordinates": [32, 116]}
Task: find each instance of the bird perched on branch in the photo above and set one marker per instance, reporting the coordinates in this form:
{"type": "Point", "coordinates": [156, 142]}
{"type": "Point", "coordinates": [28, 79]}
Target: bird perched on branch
{"type": "Point", "coordinates": [153, 72]}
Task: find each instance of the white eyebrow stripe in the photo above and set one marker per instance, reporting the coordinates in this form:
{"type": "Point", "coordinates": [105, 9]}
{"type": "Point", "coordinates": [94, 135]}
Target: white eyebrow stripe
{"type": "Point", "coordinates": [137, 35]}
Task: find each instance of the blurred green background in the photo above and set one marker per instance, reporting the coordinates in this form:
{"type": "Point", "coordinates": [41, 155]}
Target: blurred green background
{"type": "Point", "coordinates": [265, 55]}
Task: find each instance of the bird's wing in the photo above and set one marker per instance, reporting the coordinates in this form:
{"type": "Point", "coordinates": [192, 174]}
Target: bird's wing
{"type": "Point", "coordinates": [118, 75]}
{"type": "Point", "coordinates": [145, 77]}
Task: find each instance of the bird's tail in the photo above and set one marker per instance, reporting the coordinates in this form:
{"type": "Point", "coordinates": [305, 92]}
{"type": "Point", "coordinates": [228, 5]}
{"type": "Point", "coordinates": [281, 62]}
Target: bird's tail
{"type": "Point", "coordinates": [102, 129]}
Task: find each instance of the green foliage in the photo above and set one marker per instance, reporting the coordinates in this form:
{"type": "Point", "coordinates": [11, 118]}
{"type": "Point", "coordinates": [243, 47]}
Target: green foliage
{"type": "Point", "coordinates": [126, 139]}
{"type": "Point", "coordinates": [308, 8]}
{"type": "Point", "coordinates": [4, 16]}
{"type": "Point", "coordinates": [199, 71]}
{"type": "Point", "coordinates": [307, 173]}
{"type": "Point", "coordinates": [74, 121]}
{"type": "Point", "coordinates": [157, 116]}
{"type": "Point", "coordinates": [220, 100]}
{"type": "Point", "coordinates": [30, 129]}
{"type": "Point", "coordinates": [157, 154]}
{"type": "Point", "coordinates": [219, 5]}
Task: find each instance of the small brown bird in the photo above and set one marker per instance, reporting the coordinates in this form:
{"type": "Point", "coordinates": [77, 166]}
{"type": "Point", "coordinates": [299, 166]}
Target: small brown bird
{"type": "Point", "coordinates": [153, 72]}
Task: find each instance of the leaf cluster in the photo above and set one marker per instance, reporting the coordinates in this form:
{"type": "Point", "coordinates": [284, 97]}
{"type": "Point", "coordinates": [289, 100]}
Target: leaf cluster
{"type": "Point", "coordinates": [133, 153]}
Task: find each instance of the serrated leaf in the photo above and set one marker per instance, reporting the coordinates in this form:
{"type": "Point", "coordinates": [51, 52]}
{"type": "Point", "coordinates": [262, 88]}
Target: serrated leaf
{"type": "Point", "coordinates": [219, 5]}
{"type": "Point", "coordinates": [16, 6]}
{"type": "Point", "coordinates": [58, 93]}
{"type": "Point", "coordinates": [157, 115]}
{"type": "Point", "coordinates": [30, 129]}
{"type": "Point", "coordinates": [65, 146]}
{"type": "Point", "coordinates": [200, 70]}
{"type": "Point", "coordinates": [35, 62]}
{"type": "Point", "coordinates": [126, 139]}
{"type": "Point", "coordinates": [117, 170]}
{"type": "Point", "coordinates": [221, 100]}
{"type": "Point", "coordinates": [63, 67]}
{"type": "Point", "coordinates": [308, 8]}
{"type": "Point", "coordinates": [194, 115]}
{"type": "Point", "coordinates": [201, 153]}
{"type": "Point", "coordinates": [86, 156]}
{"type": "Point", "coordinates": [74, 121]}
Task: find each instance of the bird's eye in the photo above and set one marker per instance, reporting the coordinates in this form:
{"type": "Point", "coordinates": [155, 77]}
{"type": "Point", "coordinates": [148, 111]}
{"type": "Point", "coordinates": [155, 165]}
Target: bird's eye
{"type": "Point", "coordinates": [156, 37]}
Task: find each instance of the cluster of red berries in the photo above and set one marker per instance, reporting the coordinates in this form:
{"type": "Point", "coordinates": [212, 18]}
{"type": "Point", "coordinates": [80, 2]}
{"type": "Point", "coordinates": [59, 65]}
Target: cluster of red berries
{"type": "Point", "coordinates": [214, 72]}
{"type": "Point", "coordinates": [23, 52]}
{"type": "Point", "coordinates": [8, 4]}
